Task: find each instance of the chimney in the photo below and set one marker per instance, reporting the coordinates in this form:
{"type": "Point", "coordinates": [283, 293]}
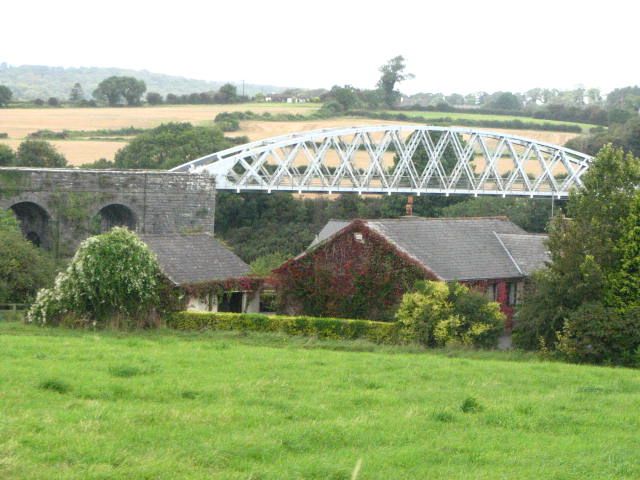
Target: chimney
{"type": "Point", "coordinates": [409, 206]}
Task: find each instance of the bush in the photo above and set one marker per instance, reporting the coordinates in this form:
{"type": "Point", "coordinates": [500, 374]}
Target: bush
{"type": "Point", "coordinates": [597, 334]}
{"type": "Point", "coordinates": [113, 278]}
{"type": "Point", "coordinates": [441, 314]}
{"type": "Point", "coordinates": [333, 328]}
{"type": "Point", "coordinates": [24, 268]}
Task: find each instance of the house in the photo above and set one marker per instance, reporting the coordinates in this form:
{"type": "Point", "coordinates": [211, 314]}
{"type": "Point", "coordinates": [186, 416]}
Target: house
{"type": "Point", "coordinates": [490, 254]}
{"type": "Point", "coordinates": [211, 276]}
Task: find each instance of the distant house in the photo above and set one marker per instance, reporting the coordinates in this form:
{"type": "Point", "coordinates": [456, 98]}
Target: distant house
{"type": "Point", "coordinates": [490, 254]}
{"type": "Point", "coordinates": [212, 277]}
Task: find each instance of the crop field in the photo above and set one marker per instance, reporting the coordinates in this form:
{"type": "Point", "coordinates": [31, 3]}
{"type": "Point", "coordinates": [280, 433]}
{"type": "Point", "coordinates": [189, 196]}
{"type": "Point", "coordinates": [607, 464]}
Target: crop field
{"type": "Point", "coordinates": [18, 123]}
{"type": "Point", "coordinates": [160, 404]}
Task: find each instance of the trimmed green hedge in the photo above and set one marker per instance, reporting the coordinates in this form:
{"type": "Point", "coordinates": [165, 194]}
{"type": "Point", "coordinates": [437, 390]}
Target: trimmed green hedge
{"type": "Point", "coordinates": [334, 328]}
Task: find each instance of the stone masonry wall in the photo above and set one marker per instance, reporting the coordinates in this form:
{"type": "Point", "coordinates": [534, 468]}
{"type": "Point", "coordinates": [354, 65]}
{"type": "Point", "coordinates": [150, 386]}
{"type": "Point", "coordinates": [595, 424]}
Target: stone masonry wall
{"type": "Point", "coordinates": [61, 207]}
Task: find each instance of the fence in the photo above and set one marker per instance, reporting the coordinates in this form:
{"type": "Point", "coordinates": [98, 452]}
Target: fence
{"type": "Point", "coordinates": [12, 311]}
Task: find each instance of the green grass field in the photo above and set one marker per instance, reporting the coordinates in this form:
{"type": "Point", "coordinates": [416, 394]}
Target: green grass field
{"type": "Point", "coordinates": [221, 405]}
{"type": "Point", "coordinates": [483, 116]}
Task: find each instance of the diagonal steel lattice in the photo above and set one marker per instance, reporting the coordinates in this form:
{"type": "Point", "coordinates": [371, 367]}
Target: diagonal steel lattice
{"type": "Point", "coordinates": [414, 159]}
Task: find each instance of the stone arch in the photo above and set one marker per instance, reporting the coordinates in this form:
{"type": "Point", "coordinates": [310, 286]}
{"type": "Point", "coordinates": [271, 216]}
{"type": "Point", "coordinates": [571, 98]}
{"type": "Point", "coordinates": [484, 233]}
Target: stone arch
{"type": "Point", "coordinates": [116, 215]}
{"type": "Point", "coordinates": [34, 222]}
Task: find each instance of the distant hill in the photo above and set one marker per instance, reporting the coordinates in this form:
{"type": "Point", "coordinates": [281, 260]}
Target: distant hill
{"type": "Point", "coordinates": [28, 82]}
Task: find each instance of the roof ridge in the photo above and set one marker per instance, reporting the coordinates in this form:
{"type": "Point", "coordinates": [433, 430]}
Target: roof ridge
{"type": "Point", "coordinates": [513, 260]}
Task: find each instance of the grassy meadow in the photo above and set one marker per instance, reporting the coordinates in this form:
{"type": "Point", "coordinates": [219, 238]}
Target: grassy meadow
{"type": "Point", "coordinates": [222, 405]}
{"type": "Point", "coordinates": [485, 116]}
{"type": "Point", "coordinates": [20, 122]}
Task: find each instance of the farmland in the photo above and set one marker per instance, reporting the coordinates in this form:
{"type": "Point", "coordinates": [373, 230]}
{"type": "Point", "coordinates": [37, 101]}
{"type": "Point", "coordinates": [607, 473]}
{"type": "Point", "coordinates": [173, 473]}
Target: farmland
{"type": "Point", "coordinates": [18, 123]}
{"type": "Point", "coordinates": [221, 405]}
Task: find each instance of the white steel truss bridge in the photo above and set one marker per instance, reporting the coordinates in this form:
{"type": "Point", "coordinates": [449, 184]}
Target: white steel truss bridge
{"type": "Point", "coordinates": [408, 159]}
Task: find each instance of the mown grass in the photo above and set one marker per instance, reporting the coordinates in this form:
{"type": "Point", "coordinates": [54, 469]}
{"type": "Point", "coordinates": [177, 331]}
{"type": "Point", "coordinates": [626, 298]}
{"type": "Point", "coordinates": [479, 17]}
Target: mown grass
{"type": "Point", "coordinates": [225, 405]}
{"type": "Point", "coordinates": [486, 117]}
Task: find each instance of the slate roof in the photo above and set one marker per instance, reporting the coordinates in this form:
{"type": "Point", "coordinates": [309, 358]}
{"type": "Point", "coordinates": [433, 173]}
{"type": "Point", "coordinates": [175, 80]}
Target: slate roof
{"type": "Point", "coordinates": [332, 227]}
{"type": "Point", "coordinates": [195, 258]}
{"type": "Point", "coordinates": [458, 248]}
{"type": "Point", "coordinates": [528, 251]}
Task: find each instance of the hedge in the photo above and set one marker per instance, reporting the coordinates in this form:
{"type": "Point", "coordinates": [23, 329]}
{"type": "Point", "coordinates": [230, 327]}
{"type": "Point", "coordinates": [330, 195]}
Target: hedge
{"type": "Point", "coordinates": [328, 328]}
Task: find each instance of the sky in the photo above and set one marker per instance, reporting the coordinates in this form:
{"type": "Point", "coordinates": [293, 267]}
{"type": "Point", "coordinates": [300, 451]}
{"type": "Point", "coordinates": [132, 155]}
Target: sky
{"type": "Point", "coordinates": [450, 46]}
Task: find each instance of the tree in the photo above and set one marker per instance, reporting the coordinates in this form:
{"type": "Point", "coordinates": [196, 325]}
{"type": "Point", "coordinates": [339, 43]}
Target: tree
{"type": "Point", "coordinates": [113, 278]}
{"type": "Point", "coordinates": [53, 102]}
{"type": "Point", "coordinates": [39, 153]}
{"type": "Point", "coordinates": [154, 98]}
{"type": "Point", "coordinates": [392, 73]}
{"type": "Point", "coordinates": [77, 93]}
{"type": "Point", "coordinates": [592, 252]}
{"type": "Point", "coordinates": [5, 95]}
{"type": "Point", "coordinates": [170, 145]}
{"type": "Point", "coordinates": [116, 90]}
{"type": "Point", "coordinates": [7, 156]}
{"type": "Point", "coordinates": [132, 90]}
{"type": "Point", "coordinates": [24, 268]}
{"type": "Point", "coordinates": [504, 101]}
{"type": "Point", "coordinates": [227, 93]}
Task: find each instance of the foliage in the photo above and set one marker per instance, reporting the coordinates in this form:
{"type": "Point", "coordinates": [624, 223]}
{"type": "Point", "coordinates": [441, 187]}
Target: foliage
{"type": "Point", "coordinates": [32, 81]}
{"type": "Point", "coordinates": [593, 254]}
{"type": "Point", "coordinates": [77, 93]}
{"type": "Point", "coordinates": [169, 145]}
{"type": "Point", "coordinates": [24, 268]}
{"type": "Point", "coordinates": [264, 264]}
{"type": "Point", "coordinates": [116, 90]}
{"type": "Point", "coordinates": [328, 328]}
{"type": "Point", "coordinates": [39, 153]}
{"type": "Point", "coordinates": [625, 135]}
{"type": "Point", "coordinates": [513, 124]}
{"type": "Point", "coordinates": [504, 101]}
{"type": "Point", "coordinates": [595, 333]}
{"type": "Point", "coordinates": [392, 73]}
{"type": "Point", "coordinates": [154, 98]}
{"type": "Point", "coordinates": [5, 95]}
{"type": "Point", "coordinates": [7, 156]}
{"type": "Point", "coordinates": [357, 274]}
{"type": "Point", "coordinates": [530, 214]}
{"type": "Point", "coordinates": [624, 291]}
{"type": "Point", "coordinates": [257, 224]}
{"type": "Point", "coordinates": [113, 277]}
{"type": "Point", "coordinates": [440, 314]}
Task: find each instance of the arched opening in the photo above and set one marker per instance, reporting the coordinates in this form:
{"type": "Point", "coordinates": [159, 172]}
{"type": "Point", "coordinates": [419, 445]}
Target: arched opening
{"type": "Point", "coordinates": [34, 223]}
{"type": "Point", "coordinates": [116, 215]}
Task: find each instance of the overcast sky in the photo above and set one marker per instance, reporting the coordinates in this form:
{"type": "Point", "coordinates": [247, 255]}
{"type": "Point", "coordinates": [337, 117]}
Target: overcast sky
{"type": "Point", "coordinates": [450, 46]}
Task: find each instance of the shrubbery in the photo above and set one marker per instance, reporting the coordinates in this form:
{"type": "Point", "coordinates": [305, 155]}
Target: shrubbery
{"type": "Point", "coordinates": [24, 268]}
{"type": "Point", "coordinates": [113, 279]}
{"type": "Point", "coordinates": [440, 314]}
{"type": "Point", "coordinates": [333, 328]}
{"type": "Point", "coordinates": [597, 334]}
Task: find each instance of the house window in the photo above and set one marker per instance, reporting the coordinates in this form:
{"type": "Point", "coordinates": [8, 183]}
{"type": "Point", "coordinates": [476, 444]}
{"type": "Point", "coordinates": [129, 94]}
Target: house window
{"type": "Point", "coordinates": [492, 292]}
{"type": "Point", "coordinates": [230, 302]}
{"type": "Point", "coordinates": [512, 290]}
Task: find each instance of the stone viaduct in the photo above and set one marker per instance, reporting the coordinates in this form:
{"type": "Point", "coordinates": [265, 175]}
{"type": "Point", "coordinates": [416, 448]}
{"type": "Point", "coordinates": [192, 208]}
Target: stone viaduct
{"type": "Point", "coordinates": [58, 208]}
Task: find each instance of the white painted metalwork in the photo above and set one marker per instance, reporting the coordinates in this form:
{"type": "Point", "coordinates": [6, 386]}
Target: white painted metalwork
{"type": "Point", "coordinates": [414, 159]}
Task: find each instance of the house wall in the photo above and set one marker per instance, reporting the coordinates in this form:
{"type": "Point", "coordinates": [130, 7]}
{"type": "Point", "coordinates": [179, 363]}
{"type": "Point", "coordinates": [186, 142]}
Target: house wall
{"type": "Point", "coordinates": [250, 303]}
{"type": "Point", "coordinates": [356, 274]}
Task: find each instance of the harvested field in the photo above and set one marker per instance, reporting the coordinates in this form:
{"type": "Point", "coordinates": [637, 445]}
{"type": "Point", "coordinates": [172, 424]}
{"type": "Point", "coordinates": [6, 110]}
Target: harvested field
{"type": "Point", "coordinates": [18, 123]}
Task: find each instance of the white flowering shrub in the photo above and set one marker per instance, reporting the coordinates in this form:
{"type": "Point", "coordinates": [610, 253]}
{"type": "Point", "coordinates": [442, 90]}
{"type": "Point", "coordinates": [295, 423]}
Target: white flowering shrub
{"type": "Point", "coordinates": [112, 276]}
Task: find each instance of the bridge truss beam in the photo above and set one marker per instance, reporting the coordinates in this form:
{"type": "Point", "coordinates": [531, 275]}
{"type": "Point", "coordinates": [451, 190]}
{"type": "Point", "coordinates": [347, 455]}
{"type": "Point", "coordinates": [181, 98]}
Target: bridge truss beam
{"type": "Point", "coordinates": [410, 159]}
